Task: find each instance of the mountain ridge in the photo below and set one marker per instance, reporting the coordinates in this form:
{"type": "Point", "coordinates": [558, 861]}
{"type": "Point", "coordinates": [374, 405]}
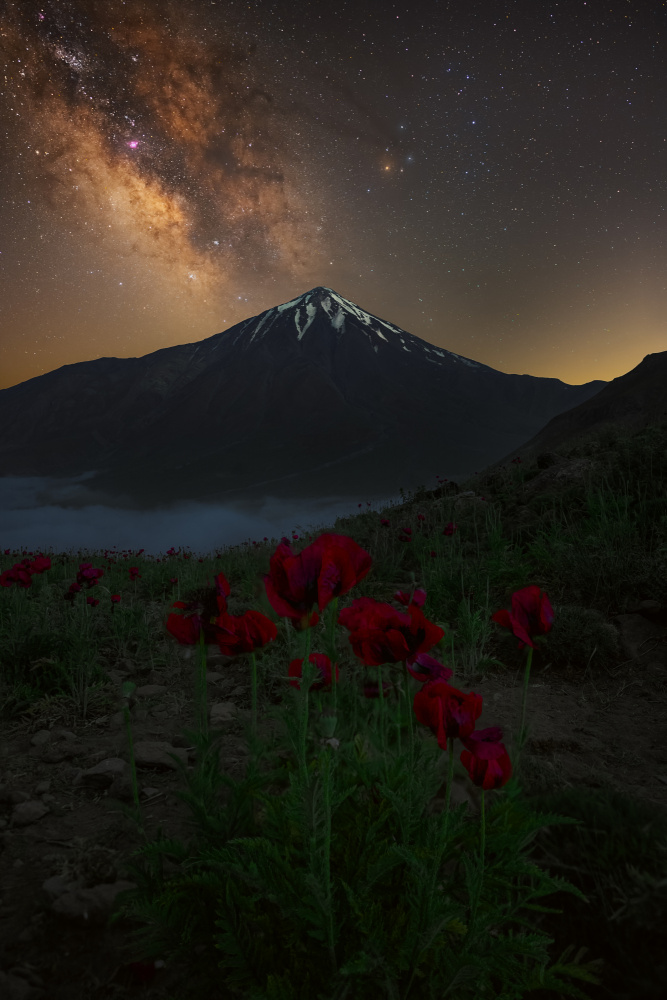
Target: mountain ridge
{"type": "Point", "coordinates": [632, 401]}
{"type": "Point", "coordinates": [315, 396]}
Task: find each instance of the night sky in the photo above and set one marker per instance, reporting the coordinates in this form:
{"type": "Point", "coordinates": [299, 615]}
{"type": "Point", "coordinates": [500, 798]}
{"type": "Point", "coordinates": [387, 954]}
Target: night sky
{"type": "Point", "coordinates": [491, 176]}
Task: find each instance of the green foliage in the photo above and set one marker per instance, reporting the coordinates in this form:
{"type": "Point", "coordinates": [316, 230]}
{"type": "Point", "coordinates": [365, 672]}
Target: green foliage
{"type": "Point", "coordinates": [348, 887]}
{"type": "Point", "coordinates": [580, 637]}
{"type": "Point", "coordinates": [282, 919]}
{"type": "Point", "coordinates": [626, 842]}
{"type": "Point", "coordinates": [617, 855]}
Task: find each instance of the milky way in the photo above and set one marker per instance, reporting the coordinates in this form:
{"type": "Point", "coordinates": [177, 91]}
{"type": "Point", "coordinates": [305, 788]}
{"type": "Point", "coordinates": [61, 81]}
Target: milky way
{"type": "Point", "coordinates": [171, 143]}
{"type": "Point", "coordinates": [490, 178]}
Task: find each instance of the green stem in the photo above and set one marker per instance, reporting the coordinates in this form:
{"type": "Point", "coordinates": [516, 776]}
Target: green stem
{"type": "Point", "coordinates": [331, 625]}
{"type": "Point", "coordinates": [133, 769]}
{"type": "Point", "coordinates": [304, 717]}
{"type": "Point", "coordinates": [439, 850]}
{"type": "Point", "coordinates": [411, 721]}
{"type": "Point", "coordinates": [522, 730]}
{"type": "Point", "coordinates": [200, 693]}
{"type": "Point", "coordinates": [326, 782]}
{"type": "Point", "coordinates": [448, 795]}
{"type": "Point", "coordinates": [254, 693]}
{"type": "Point", "coordinates": [480, 875]}
{"type": "Point", "coordinates": [411, 748]}
{"type": "Point", "coordinates": [382, 725]}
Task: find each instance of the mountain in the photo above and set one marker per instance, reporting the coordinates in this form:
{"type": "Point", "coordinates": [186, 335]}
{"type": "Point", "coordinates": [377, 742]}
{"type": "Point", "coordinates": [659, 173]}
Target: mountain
{"type": "Point", "coordinates": [312, 398]}
{"type": "Point", "coordinates": [629, 402]}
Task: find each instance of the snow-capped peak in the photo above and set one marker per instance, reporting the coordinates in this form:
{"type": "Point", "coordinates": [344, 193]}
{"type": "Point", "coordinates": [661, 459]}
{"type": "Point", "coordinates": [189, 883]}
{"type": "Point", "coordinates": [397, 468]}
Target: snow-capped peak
{"type": "Point", "coordinates": [342, 316]}
{"type": "Point", "coordinates": [336, 308]}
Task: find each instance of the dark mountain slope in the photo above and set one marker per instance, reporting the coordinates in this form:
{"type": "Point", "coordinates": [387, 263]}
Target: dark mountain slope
{"type": "Point", "coordinates": [314, 397]}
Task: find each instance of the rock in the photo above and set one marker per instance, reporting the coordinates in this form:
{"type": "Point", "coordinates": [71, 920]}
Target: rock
{"type": "Point", "coordinates": [102, 775]}
{"type": "Point", "coordinates": [14, 987]}
{"type": "Point", "coordinates": [28, 812]}
{"type": "Point", "coordinates": [93, 905]}
{"type": "Point", "coordinates": [157, 755]}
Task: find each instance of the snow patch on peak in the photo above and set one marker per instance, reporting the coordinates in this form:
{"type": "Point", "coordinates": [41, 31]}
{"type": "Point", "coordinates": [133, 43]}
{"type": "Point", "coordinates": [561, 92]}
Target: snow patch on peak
{"type": "Point", "coordinates": [374, 323]}
{"type": "Point", "coordinates": [307, 299]}
{"type": "Point", "coordinates": [305, 307]}
{"type": "Point", "coordinates": [466, 361]}
{"type": "Point", "coordinates": [322, 297]}
{"type": "Point", "coordinates": [336, 307]}
{"type": "Point", "coordinates": [311, 312]}
{"type": "Point", "coordinates": [288, 305]}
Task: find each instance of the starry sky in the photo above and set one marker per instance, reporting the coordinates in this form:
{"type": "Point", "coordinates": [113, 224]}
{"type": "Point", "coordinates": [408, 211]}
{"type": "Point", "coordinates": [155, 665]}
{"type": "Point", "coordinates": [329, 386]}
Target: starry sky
{"type": "Point", "coordinates": [489, 175]}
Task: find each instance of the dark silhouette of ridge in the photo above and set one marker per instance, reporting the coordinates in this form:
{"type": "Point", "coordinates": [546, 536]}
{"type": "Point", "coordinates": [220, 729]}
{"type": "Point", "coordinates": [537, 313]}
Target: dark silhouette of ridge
{"type": "Point", "coordinates": [630, 402]}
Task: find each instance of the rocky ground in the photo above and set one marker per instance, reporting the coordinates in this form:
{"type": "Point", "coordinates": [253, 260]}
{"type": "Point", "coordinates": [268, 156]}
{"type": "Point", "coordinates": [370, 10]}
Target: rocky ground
{"type": "Point", "coordinates": [62, 844]}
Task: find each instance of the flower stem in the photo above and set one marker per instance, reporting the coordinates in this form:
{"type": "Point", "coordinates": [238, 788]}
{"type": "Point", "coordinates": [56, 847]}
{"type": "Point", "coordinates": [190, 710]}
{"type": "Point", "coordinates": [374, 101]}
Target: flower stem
{"type": "Point", "coordinates": [448, 795]}
{"type": "Point", "coordinates": [383, 740]}
{"type": "Point", "coordinates": [254, 693]}
{"type": "Point", "coordinates": [128, 688]}
{"type": "Point", "coordinates": [440, 849]}
{"type": "Point", "coordinates": [411, 746]}
{"type": "Point", "coordinates": [331, 626]}
{"type": "Point", "coordinates": [326, 782]}
{"type": "Point", "coordinates": [201, 686]}
{"type": "Point", "coordinates": [480, 873]}
{"type": "Point", "coordinates": [304, 717]}
{"type": "Point", "coordinates": [522, 730]}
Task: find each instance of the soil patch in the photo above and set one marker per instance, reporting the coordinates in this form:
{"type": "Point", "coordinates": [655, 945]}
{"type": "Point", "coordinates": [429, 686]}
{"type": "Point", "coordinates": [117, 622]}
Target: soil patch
{"type": "Point", "coordinates": [57, 818]}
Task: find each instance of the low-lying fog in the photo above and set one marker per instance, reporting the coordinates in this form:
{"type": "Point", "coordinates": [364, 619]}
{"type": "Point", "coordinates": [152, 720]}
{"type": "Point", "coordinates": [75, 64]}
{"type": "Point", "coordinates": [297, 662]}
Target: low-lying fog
{"type": "Point", "coordinates": [34, 516]}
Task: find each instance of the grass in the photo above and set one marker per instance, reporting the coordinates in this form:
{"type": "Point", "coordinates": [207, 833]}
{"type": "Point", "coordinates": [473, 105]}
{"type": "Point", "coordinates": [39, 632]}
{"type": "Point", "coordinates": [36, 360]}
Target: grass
{"type": "Point", "coordinates": [324, 874]}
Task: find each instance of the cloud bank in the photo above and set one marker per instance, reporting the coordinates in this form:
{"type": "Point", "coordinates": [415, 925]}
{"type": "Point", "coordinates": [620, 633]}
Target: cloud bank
{"type": "Point", "coordinates": [47, 514]}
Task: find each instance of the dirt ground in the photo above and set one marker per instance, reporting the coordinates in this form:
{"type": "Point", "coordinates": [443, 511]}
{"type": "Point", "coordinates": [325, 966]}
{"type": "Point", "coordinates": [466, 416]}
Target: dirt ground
{"type": "Point", "coordinates": [610, 728]}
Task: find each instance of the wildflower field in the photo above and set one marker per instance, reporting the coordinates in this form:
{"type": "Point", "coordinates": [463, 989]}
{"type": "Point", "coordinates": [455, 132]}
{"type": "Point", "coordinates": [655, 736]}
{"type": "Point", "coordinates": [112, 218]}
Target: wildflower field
{"type": "Point", "coordinates": [333, 868]}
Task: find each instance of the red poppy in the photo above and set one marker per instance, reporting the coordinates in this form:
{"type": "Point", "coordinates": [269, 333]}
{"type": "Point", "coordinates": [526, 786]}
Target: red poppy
{"type": "Point", "coordinates": [22, 573]}
{"type": "Point", "coordinates": [328, 567]}
{"type": "Point", "coordinates": [430, 669]}
{"type": "Point", "coordinates": [531, 615]}
{"type": "Point", "coordinates": [323, 664]}
{"type": "Point", "coordinates": [381, 634]}
{"type": "Point", "coordinates": [447, 711]}
{"type": "Point", "coordinates": [244, 633]}
{"type": "Point", "coordinates": [486, 759]}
